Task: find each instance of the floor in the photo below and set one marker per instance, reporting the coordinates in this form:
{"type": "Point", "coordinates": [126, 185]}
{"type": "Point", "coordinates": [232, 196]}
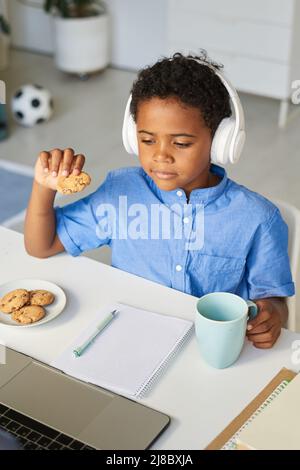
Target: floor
{"type": "Point", "coordinates": [88, 117]}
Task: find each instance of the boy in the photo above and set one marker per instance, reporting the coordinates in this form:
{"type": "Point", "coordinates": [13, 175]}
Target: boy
{"type": "Point", "coordinates": [240, 243]}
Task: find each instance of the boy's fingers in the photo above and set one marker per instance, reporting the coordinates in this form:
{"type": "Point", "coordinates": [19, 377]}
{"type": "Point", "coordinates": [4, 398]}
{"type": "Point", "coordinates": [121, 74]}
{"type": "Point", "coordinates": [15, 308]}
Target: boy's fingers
{"type": "Point", "coordinates": [268, 344]}
{"type": "Point", "coordinates": [44, 157]}
{"type": "Point", "coordinates": [261, 317]}
{"type": "Point", "coordinates": [78, 163]}
{"type": "Point", "coordinates": [263, 337]}
{"type": "Point", "coordinates": [56, 158]}
{"type": "Point", "coordinates": [260, 328]}
{"type": "Point", "coordinates": [67, 161]}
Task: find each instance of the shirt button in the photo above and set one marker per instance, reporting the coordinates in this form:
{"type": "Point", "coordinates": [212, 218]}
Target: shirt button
{"type": "Point", "coordinates": [179, 193]}
{"type": "Point", "coordinates": [178, 267]}
{"type": "Point", "coordinates": [186, 220]}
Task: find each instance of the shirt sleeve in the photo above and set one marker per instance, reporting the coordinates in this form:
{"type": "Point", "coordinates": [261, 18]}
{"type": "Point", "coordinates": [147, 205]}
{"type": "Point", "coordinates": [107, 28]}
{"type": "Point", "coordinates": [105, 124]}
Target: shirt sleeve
{"type": "Point", "coordinates": [268, 266]}
{"type": "Point", "coordinates": [85, 224]}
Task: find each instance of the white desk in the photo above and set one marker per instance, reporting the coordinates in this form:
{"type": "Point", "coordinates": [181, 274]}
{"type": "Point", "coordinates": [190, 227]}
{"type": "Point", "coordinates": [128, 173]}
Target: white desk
{"type": "Point", "coordinates": [200, 400]}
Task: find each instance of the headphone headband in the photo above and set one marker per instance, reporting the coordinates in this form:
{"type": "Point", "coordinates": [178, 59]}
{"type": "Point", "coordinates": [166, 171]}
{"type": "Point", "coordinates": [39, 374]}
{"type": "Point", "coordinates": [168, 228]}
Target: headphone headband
{"type": "Point", "coordinates": [229, 137]}
{"type": "Point", "coordinates": [235, 100]}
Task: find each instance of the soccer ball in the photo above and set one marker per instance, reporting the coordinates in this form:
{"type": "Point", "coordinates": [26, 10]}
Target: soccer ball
{"type": "Point", "coordinates": [32, 104]}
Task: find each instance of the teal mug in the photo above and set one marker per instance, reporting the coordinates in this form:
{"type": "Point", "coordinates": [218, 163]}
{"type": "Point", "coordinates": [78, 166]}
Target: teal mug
{"type": "Point", "coordinates": [221, 322]}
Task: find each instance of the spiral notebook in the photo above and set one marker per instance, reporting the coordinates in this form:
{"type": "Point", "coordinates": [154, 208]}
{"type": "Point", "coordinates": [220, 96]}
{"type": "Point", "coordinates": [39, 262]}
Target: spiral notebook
{"type": "Point", "coordinates": [130, 354]}
{"type": "Point", "coordinates": [235, 442]}
{"type": "Point", "coordinates": [232, 437]}
{"type": "Point", "coordinates": [276, 426]}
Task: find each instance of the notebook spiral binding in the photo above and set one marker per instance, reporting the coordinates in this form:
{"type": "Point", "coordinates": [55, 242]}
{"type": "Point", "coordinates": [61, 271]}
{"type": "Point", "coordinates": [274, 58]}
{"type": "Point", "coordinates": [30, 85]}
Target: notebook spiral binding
{"type": "Point", "coordinates": [231, 444]}
{"type": "Point", "coordinates": [147, 385]}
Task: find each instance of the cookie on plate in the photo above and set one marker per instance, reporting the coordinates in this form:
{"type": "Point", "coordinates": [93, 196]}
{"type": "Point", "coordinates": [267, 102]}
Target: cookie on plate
{"type": "Point", "coordinates": [28, 314]}
{"type": "Point", "coordinates": [41, 297]}
{"type": "Point", "coordinates": [14, 300]}
{"type": "Point", "coordinates": [73, 183]}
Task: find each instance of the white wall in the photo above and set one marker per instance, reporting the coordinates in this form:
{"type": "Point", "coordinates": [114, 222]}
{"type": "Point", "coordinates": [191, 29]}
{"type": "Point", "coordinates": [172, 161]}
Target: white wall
{"type": "Point", "coordinates": [31, 27]}
{"type": "Point", "coordinates": [138, 30]}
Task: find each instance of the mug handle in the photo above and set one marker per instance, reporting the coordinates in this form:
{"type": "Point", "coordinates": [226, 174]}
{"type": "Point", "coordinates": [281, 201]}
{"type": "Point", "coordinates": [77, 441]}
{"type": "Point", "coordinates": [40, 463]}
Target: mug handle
{"type": "Point", "coordinates": [253, 309]}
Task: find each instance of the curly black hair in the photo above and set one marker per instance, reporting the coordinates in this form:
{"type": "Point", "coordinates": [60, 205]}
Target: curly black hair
{"type": "Point", "coordinates": [184, 78]}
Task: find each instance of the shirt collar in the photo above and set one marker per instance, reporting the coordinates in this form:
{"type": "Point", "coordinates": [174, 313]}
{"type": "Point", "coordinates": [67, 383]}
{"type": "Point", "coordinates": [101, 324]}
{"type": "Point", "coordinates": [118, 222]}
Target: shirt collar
{"type": "Point", "coordinates": [199, 196]}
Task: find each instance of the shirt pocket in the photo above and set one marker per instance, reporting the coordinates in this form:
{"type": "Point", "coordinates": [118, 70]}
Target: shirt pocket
{"type": "Point", "coordinates": [218, 273]}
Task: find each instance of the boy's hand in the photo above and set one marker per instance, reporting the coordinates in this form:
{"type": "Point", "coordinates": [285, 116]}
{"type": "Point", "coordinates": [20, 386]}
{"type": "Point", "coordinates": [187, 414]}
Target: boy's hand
{"type": "Point", "coordinates": [265, 328]}
{"type": "Point", "coordinates": [57, 162]}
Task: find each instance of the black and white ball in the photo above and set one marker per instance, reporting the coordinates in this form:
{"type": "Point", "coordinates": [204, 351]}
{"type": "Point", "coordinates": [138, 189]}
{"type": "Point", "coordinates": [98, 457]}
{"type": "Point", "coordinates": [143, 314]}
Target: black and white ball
{"type": "Point", "coordinates": [31, 105]}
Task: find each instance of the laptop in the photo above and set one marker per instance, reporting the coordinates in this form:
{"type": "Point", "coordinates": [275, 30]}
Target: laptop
{"type": "Point", "coordinates": [47, 409]}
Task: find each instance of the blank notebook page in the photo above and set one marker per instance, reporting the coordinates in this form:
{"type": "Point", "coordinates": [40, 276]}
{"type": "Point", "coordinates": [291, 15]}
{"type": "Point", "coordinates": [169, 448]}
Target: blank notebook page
{"type": "Point", "coordinates": [130, 353]}
{"type": "Point", "coordinates": [277, 426]}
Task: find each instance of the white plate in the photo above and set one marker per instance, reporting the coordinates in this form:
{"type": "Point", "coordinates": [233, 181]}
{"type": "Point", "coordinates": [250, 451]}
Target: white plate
{"type": "Point", "coordinates": [52, 310]}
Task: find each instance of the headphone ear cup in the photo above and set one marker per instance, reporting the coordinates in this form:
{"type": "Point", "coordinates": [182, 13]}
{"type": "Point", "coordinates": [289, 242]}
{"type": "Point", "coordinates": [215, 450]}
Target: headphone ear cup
{"type": "Point", "coordinates": [220, 147]}
{"type": "Point", "coordinates": [238, 146]}
{"type": "Point", "coordinates": [129, 136]}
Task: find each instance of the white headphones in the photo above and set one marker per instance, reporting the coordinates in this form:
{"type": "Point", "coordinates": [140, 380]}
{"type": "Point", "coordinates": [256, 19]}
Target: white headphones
{"type": "Point", "coordinates": [229, 138]}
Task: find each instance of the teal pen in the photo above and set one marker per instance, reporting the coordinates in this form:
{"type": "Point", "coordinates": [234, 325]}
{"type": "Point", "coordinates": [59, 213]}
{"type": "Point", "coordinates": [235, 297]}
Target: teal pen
{"type": "Point", "coordinates": [78, 351]}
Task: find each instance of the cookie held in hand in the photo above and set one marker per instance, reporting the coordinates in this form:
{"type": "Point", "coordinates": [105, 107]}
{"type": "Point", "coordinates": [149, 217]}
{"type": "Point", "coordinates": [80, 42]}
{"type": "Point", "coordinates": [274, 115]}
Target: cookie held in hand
{"type": "Point", "coordinates": [73, 183]}
{"type": "Point", "coordinates": [14, 300]}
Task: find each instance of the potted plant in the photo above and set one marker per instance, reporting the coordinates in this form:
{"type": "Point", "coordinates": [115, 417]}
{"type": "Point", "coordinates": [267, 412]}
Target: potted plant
{"type": "Point", "coordinates": [4, 42]}
{"type": "Point", "coordinates": [80, 35]}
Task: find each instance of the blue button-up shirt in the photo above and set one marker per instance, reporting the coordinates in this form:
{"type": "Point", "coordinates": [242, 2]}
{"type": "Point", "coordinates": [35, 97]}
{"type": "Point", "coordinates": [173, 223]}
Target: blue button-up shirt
{"type": "Point", "coordinates": [225, 238]}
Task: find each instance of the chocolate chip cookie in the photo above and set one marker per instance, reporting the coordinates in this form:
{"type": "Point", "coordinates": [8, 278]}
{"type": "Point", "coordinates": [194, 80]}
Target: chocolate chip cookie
{"type": "Point", "coordinates": [14, 300]}
{"type": "Point", "coordinates": [28, 314]}
{"type": "Point", "coordinates": [41, 297]}
{"type": "Point", "coordinates": [73, 183]}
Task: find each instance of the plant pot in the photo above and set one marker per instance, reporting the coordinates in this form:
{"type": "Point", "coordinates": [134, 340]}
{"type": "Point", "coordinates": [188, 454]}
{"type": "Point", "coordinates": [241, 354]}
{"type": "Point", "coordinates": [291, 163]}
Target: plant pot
{"type": "Point", "coordinates": [81, 44]}
{"type": "Point", "coordinates": [4, 51]}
